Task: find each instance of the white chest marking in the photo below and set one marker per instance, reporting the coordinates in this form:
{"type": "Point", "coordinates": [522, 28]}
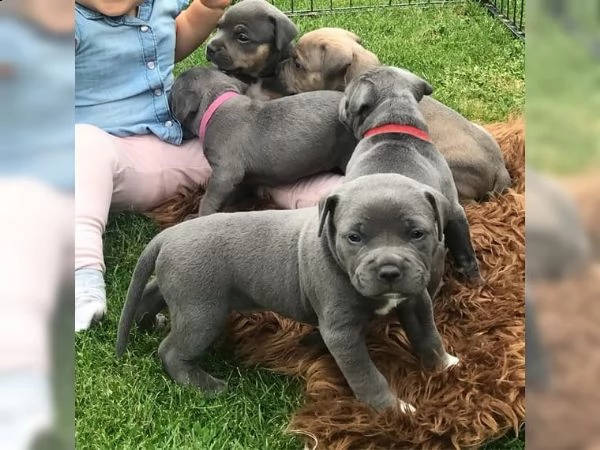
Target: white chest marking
{"type": "Point", "coordinates": [393, 300]}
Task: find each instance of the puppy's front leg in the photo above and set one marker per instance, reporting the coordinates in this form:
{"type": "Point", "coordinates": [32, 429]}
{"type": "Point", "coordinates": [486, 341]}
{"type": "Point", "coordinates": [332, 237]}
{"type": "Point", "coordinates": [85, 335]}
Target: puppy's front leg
{"type": "Point", "coordinates": [221, 186]}
{"type": "Point", "coordinates": [347, 346]}
{"type": "Point", "coordinates": [458, 240]}
{"type": "Point", "coordinates": [416, 317]}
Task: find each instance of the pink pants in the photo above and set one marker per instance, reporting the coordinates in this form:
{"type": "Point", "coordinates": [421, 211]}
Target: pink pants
{"type": "Point", "coordinates": [138, 173]}
{"type": "Point", "coordinates": [36, 238]}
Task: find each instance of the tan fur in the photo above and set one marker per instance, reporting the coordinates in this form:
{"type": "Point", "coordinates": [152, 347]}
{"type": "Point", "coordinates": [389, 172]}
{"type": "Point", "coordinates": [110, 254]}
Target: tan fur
{"type": "Point", "coordinates": [251, 63]}
{"type": "Point", "coordinates": [327, 58]}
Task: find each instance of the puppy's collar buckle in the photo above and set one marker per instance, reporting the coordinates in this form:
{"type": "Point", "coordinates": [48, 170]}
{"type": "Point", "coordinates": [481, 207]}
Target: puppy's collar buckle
{"type": "Point", "coordinates": [212, 108]}
{"type": "Point", "coordinates": [399, 129]}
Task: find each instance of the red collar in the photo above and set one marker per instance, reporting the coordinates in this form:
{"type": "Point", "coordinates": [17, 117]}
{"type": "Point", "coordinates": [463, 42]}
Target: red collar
{"type": "Point", "coordinates": [397, 128]}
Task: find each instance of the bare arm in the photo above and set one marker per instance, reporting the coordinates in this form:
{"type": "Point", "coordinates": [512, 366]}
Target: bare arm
{"type": "Point", "coordinates": [195, 24]}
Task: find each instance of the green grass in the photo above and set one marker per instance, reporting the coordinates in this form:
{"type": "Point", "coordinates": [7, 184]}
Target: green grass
{"type": "Point", "coordinates": [475, 66]}
{"type": "Point", "coordinates": [563, 100]}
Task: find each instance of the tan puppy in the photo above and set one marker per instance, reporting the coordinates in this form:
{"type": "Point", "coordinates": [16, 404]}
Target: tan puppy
{"type": "Point", "coordinates": [326, 58]}
{"type": "Point", "coordinates": [329, 58]}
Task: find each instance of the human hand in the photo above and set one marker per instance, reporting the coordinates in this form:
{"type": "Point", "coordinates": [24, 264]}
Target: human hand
{"type": "Point", "coordinates": [216, 4]}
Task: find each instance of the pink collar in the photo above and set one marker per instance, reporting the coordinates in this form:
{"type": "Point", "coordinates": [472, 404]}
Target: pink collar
{"type": "Point", "coordinates": [212, 109]}
{"type": "Point", "coordinates": [397, 128]}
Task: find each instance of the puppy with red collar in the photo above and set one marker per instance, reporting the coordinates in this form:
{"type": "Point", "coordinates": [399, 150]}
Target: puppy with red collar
{"type": "Point", "coordinates": [381, 107]}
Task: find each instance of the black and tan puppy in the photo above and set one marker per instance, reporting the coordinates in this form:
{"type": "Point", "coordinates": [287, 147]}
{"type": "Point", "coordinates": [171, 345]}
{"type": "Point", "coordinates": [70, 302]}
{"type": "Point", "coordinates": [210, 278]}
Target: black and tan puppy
{"type": "Point", "coordinates": [330, 58]}
{"type": "Point", "coordinates": [253, 37]}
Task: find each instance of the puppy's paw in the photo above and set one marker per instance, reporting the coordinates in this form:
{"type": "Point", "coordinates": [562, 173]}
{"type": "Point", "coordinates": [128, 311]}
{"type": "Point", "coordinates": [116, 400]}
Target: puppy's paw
{"type": "Point", "coordinates": [213, 386]}
{"type": "Point", "coordinates": [406, 408]}
{"type": "Point", "coordinates": [471, 272]}
{"type": "Point", "coordinates": [160, 322]}
{"type": "Point", "coordinates": [146, 322]}
{"type": "Point", "coordinates": [396, 404]}
{"type": "Point", "coordinates": [449, 361]}
{"type": "Point", "coordinates": [476, 279]}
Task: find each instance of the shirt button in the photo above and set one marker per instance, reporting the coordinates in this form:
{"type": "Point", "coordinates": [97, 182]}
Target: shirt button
{"type": "Point", "coordinates": [168, 124]}
{"type": "Point", "coordinates": [144, 28]}
{"type": "Point", "coordinates": [157, 92]}
{"type": "Point", "coordinates": [150, 65]}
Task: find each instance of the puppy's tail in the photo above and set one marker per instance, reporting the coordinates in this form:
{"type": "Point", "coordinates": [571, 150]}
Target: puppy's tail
{"type": "Point", "coordinates": [142, 272]}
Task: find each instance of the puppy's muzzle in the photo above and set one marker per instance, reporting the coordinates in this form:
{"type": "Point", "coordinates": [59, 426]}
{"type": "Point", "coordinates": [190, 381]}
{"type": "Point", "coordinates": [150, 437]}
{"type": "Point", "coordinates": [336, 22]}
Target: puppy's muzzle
{"type": "Point", "coordinates": [210, 52]}
{"type": "Point", "coordinates": [389, 273]}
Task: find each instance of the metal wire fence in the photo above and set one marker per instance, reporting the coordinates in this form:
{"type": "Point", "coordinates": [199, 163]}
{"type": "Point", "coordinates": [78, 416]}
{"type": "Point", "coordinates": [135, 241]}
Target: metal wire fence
{"type": "Point", "coordinates": [510, 12]}
{"type": "Point", "coordinates": [310, 7]}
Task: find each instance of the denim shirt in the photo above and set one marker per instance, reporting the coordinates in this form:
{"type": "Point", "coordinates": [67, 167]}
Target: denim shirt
{"type": "Point", "coordinates": [124, 70]}
{"type": "Point", "coordinates": [36, 104]}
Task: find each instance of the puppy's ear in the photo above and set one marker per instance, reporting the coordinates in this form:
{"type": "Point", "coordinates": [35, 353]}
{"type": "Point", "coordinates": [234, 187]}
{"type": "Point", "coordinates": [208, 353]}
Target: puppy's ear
{"type": "Point", "coordinates": [285, 31]}
{"type": "Point", "coordinates": [362, 61]}
{"type": "Point", "coordinates": [184, 104]}
{"type": "Point", "coordinates": [335, 62]}
{"type": "Point", "coordinates": [327, 207]}
{"type": "Point", "coordinates": [359, 100]}
{"type": "Point", "coordinates": [420, 88]}
{"type": "Point", "coordinates": [441, 207]}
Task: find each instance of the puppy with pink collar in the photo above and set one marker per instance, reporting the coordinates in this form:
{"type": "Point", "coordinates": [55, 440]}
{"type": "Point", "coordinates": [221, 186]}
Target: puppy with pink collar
{"type": "Point", "coordinates": [249, 142]}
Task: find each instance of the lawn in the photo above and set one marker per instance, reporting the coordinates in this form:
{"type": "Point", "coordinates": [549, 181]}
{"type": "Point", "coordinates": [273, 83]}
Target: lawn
{"type": "Point", "coordinates": [475, 66]}
{"type": "Point", "coordinates": [563, 100]}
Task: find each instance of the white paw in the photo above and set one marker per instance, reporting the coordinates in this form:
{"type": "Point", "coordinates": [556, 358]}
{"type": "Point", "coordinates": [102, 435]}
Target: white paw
{"type": "Point", "coordinates": [160, 321]}
{"type": "Point", "coordinates": [449, 361]}
{"type": "Point", "coordinates": [406, 408]}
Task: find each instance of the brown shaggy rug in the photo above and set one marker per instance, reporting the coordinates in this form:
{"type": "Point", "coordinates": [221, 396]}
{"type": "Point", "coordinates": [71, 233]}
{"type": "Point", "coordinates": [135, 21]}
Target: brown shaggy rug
{"type": "Point", "coordinates": [479, 400]}
{"type": "Point", "coordinates": [567, 414]}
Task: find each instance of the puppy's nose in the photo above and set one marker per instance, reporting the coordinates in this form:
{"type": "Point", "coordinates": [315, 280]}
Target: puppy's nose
{"type": "Point", "coordinates": [389, 273]}
{"type": "Point", "coordinates": [210, 51]}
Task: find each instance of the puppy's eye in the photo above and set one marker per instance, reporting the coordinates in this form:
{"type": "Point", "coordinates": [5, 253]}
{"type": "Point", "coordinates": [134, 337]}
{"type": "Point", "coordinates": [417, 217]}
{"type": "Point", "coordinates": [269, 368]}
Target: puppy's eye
{"type": "Point", "coordinates": [297, 64]}
{"type": "Point", "coordinates": [242, 38]}
{"type": "Point", "coordinates": [416, 234]}
{"type": "Point", "coordinates": [354, 238]}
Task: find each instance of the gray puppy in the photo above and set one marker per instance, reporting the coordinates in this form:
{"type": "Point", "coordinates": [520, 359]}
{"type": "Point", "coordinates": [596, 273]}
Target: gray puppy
{"type": "Point", "coordinates": [381, 107]}
{"type": "Point", "coordinates": [330, 58]}
{"type": "Point", "coordinates": [558, 245]}
{"type": "Point", "coordinates": [251, 142]}
{"type": "Point", "coordinates": [252, 37]}
{"type": "Point", "coordinates": [370, 247]}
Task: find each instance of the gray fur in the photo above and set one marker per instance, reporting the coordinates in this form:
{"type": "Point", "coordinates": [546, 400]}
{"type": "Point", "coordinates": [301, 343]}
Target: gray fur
{"type": "Point", "coordinates": [251, 142]}
{"type": "Point", "coordinates": [558, 247]}
{"type": "Point", "coordinates": [388, 95]}
{"type": "Point", "coordinates": [557, 242]}
{"type": "Point", "coordinates": [304, 265]}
